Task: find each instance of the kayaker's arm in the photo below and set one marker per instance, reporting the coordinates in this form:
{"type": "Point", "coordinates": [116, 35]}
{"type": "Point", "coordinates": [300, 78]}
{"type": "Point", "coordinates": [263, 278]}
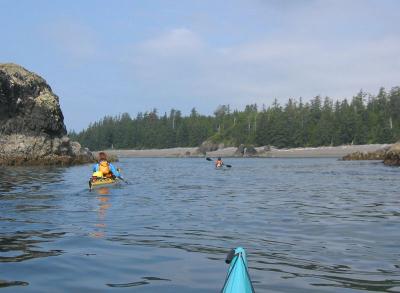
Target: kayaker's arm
{"type": "Point", "coordinates": [114, 170]}
{"type": "Point", "coordinates": [95, 167]}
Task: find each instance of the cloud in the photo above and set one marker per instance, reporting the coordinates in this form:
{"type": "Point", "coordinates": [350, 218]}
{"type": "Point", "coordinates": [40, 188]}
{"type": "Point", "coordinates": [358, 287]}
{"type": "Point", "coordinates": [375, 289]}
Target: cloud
{"type": "Point", "coordinates": [168, 62]}
{"type": "Point", "coordinates": [319, 48]}
{"type": "Point", "coordinates": [182, 63]}
{"type": "Point", "coordinates": [309, 67]}
{"type": "Point", "coordinates": [203, 53]}
{"type": "Point", "coordinates": [175, 42]}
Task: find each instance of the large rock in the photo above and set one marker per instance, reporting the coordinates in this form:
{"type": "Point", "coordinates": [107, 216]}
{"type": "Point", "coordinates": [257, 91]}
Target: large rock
{"type": "Point", "coordinates": [240, 150]}
{"type": "Point", "coordinates": [32, 129]}
{"type": "Point", "coordinates": [392, 156]}
{"type": "Point", "coordinates": [28, 106]}
{"type": "Point", "coordinates": [250, 151]}
{"type": "Point", "coordinates": [359, 156]}
{"type": "Point", "coordinates": [246, 151]}
{"type": "Point", "coordinates": [208, 146]}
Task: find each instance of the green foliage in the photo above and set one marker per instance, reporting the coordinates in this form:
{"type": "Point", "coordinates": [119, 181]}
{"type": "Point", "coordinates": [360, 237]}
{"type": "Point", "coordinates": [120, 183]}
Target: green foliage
{"type": "Point", "coordinates": [319, 122]}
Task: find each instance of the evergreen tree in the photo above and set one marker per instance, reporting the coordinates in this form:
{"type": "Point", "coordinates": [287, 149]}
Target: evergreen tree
{"type": "Point", "coordinates": [365, 119]}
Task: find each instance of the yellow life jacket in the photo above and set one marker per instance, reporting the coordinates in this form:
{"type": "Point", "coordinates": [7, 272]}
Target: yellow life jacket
{"type": "Point", "coordinates": [104, 167]}
{"type": "Point", "coordinates": [97, 174]}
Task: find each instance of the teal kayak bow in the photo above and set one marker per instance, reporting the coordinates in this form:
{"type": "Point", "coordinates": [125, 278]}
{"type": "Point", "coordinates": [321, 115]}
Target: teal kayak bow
{"type": "Point", "coordinates": [238, 279]}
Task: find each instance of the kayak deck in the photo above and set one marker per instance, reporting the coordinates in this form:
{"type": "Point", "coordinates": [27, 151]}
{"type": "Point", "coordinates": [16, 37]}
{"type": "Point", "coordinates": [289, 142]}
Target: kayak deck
{"type": "Point", "coordinates": [223, 168]}
{"type": "Point", "coordinates": [238, 279]}
{"type": "Point", "coordinates": [101, 181]}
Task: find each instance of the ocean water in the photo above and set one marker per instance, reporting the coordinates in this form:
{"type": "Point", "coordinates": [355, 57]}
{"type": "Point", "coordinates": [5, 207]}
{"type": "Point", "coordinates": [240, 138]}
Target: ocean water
{"type": "Point", "coordinates": [308, 225]}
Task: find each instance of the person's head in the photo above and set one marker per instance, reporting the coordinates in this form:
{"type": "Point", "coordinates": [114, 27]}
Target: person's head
{"type": "Point", "coordinates": [102, 156]}
{"type": "Point", "coordinates": [219, 158]}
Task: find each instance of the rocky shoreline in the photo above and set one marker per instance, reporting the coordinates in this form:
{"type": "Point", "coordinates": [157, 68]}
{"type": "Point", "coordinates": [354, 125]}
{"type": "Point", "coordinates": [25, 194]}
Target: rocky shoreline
{"type": "Point", "coordinates": [390, 155]}
{"type": "Point", "coordinates": [32, 130]}
{"type": "Point", "coordinates": [261, 152]}
{"type": "Point", "coordinates": [41, 150]}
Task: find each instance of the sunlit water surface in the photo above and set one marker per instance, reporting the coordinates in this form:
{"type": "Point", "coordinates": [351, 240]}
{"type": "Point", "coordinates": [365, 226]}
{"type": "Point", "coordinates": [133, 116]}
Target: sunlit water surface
{"type": "Point", "coordinates": [308, 225]}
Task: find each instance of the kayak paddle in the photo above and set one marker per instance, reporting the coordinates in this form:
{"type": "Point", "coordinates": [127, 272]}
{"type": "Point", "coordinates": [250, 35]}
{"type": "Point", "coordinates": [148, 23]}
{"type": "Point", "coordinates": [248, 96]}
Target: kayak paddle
{"type": "Point", "coordinates": [123, 179]}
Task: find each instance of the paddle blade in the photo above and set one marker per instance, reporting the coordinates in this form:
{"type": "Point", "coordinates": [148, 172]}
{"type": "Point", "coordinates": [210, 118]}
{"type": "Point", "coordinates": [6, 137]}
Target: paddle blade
{"type": "Point", "coordinates": [208, 159]}
{"type": "Point", "coordinates": [229, 166]}
{"type": "Point", "coordinates": [230, 256]}
{"type": "Point", "coordinates": [123, 180]}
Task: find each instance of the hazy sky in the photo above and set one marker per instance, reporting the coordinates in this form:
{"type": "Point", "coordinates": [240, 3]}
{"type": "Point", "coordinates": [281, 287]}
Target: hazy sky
{"type": "Point", "coordinates": [109, 57]}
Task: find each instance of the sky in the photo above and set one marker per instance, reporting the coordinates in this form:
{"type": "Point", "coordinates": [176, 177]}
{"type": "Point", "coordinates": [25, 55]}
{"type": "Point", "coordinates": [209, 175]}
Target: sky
{"type": "Point", "coordinates": [110, 57]}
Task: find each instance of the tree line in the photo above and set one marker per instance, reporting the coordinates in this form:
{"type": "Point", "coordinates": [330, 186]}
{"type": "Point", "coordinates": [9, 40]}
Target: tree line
{"type": "Point", "coordinates": [363, 119]}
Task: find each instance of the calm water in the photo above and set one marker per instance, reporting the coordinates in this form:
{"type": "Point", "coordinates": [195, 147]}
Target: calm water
{"type": "Point", "coordinates": [309, 225]}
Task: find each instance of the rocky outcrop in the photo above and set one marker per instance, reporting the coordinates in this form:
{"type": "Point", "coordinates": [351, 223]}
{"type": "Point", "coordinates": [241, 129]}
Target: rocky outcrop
{"type": "Point", "coordinates": [392, 156]}
{"type": "Point", "coordinates": [250, 151]}
{"type": "Point", "coordinates": [32, 129]}
{"type": "Point", "coordinates": [208, 146]}
{"type": "Point", "coordinates": [17, 149]}
{"type": "Point", "coordinates": [246, 151]}
{"type": "Point", "coordinates": [240, 150]}
{"type": "Point", "coordinates": [359, 156]}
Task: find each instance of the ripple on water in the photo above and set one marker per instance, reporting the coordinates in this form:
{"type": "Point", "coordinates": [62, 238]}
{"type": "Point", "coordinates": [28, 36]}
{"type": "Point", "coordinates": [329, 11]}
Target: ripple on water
{"type": "Point", "coordinates": [309, 225]}
{"type": "Point", "coordinates": [4, 283]}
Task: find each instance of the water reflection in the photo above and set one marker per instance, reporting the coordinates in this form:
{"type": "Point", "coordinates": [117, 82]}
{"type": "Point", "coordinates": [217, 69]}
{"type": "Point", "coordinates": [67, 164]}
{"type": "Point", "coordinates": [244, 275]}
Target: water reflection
{"type": "Point", "coordinates": [24, 198]}
{"type": "Point", "coordinates": [4, 283]}
{"type": "Point", "coordinates": [358, 284]}
{"type": "Point", "coordinates": [145, 281]}
{"type": "Point", "coordinates": [28, 179]}
{"type": "Point", "coordinates": [103, 205]}
{"type": "Point", "coordinates": [24, 245]}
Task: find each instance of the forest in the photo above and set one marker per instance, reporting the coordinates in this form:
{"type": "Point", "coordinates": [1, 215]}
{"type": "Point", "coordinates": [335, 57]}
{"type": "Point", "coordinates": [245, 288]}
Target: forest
{"type": "Point", "coordinates": [362, 119]}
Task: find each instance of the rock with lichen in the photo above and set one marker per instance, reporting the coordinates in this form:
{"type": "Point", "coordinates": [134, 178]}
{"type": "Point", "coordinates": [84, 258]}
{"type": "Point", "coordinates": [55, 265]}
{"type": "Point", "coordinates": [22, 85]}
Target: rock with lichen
{"type": "Point", "coordinates": [208, 146]}
{"type": "Point", "coordinates": [32, 129]}
{"type": "Point", "coordinates": [246, 151]}
{"type": "Point", "coordinates": [250, 151]}
{"type": "Point", "coordinates": [392, 156]}
{"type": "Point", "coordinates": [360, 156]}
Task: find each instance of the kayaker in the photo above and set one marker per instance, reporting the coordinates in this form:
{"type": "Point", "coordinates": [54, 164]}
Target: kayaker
{"type": "Point", "coordinates": [219, 163]}
{"type": "Point", "coordinates": [105, 168]}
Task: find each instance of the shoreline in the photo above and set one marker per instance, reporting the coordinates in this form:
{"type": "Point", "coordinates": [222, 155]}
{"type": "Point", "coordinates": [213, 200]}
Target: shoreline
{"type": "Point", "coordinates": [262, 152]}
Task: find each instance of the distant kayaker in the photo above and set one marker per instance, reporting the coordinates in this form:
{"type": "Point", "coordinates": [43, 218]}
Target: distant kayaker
{"type": "Point", "coordinates": [219, 163]}
{"type": "Point", "coordinates": [105, 168]}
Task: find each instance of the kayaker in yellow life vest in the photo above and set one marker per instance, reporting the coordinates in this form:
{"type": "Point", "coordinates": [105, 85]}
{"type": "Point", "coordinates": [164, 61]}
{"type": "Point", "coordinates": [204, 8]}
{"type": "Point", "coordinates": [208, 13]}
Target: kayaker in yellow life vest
{"type": "Point", "coordinates": [104, 168]}
{"type": "Point", "coordinates": [219, 163]}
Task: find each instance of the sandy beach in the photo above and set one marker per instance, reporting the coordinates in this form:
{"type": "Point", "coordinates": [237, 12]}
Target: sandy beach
{"type": "Point", "coordinates": [333, 152]}
{"type": "Point", "coordinates": [157, 153]}
{"type": "Point", "coordinates": [327, 151]}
